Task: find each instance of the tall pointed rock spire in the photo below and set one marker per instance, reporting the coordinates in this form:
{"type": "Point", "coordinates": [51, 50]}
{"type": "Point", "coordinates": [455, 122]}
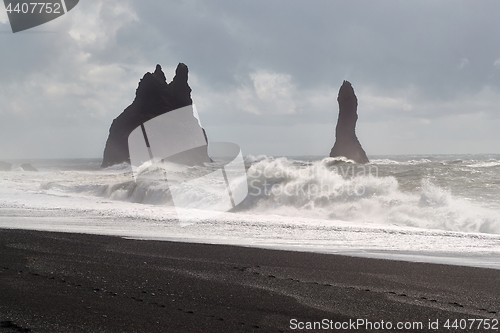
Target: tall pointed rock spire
{"type": "Point", "coordinates": [346, 142]}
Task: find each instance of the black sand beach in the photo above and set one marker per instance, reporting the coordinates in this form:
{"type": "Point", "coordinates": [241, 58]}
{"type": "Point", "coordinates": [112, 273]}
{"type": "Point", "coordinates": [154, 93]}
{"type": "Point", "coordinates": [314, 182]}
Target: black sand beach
{"type": "Point", "coordinates": [58, 282]}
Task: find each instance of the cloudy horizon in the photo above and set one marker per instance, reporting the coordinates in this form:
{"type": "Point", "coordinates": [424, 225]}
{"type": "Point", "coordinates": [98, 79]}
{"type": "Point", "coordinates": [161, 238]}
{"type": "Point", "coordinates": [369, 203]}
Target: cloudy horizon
{"type": "Point", "coordinates": [264, 74]}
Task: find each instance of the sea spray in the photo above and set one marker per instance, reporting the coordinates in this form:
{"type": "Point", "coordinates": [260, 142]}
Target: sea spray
{"type": "Point", "coordinates": [340, 190]}
{"type": "Point", "coordinates": [450, 193]}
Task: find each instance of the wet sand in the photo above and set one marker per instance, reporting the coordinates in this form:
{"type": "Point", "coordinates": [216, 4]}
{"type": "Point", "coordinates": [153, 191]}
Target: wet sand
{"type": "Point", "coordinates": [61, 282]}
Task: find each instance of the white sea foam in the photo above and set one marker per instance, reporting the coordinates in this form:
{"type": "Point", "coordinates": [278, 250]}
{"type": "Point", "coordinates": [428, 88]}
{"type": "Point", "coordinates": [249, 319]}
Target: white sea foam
{"type": "Point", "coordinates": [386, 161]}
{"type": "Point", "coordinates": [329, 205]}
{"type": "Point", "coordinates": [358, 194]}
{"type": "Point", "coordinates": [485, 164]}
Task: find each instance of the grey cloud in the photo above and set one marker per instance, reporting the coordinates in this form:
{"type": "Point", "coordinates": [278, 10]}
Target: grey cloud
{"type": "Point", "coordinates": [386, 43]}
{"type": "Point", "coordinates": [405, 60]}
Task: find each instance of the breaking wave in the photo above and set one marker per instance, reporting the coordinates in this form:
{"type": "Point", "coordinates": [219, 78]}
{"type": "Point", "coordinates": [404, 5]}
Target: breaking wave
{"type": "Point", "coordinates": [386, 161]}
{"type": "Point", "coordinates": [349, 192]}
{"type": "Point", "coordinates": [329, 189]}
{"type": "Point", "coordinates": [487, 164]}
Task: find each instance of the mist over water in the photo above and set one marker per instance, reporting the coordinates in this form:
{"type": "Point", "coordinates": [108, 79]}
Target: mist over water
{"type": "Point", "coordinates": [457, 193]}
{"type": "Point", "coordinates": [454, 193]}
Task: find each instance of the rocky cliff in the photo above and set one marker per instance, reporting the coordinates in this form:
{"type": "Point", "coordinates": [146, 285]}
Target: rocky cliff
{"type": "Point", "coordinates": [154, 96]}
{"type": "Point", "coordinates": [346, 142]}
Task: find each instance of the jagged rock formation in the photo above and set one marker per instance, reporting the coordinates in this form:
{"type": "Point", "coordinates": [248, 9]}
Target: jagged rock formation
{"type": "Point", "coordinates": [346, 142]}
{"type": "Point", "coordinates": [154, 96]}
{"type": "Point", "coordinates": [5, 166]}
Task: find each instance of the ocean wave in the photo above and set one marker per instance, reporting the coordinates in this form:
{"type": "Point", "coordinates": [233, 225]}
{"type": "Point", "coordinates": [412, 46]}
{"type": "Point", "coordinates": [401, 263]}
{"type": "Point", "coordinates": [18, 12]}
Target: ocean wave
{"type": "Point", "coordinates": [386, 161]}
{"type": "Point", "coordinates": [485, 164]}
{"type": "Point", "coordinates": [249, 159]}
{"type": "Point", "coordinates": [328, 161]}
{"type": "Point", "coordinates": [457, 161]}
{"type": "Point", "coordinates": [328, 189]}
{"type": "Point", "coordinates": [357, 193]}
{"type": "Point", "coordinates": [118, 167]}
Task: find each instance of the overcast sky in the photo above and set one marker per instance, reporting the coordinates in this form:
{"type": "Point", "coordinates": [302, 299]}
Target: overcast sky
{"type": "Point", "coordinates": [264, 74]}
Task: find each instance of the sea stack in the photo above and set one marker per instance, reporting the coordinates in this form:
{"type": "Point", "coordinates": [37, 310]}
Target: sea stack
{"type": "Point", "coordinates": [154, 96]}
{"type": "Point", "coordinates": [346, 142]}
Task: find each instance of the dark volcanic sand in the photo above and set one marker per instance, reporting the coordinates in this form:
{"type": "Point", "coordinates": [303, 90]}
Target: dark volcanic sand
{"type": "Point", "coordinates": [57, 282]}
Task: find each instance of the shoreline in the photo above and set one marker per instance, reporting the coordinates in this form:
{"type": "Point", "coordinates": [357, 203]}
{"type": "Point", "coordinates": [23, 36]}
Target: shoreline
{"type": "Point", "coordinates": [376, 242]}
{"type": "Point", "coordinates": [62, 282]}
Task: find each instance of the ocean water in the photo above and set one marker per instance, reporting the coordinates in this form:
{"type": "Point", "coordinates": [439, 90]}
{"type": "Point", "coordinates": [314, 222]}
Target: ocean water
{"type": "Point", "coordinates": [437, 208]}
